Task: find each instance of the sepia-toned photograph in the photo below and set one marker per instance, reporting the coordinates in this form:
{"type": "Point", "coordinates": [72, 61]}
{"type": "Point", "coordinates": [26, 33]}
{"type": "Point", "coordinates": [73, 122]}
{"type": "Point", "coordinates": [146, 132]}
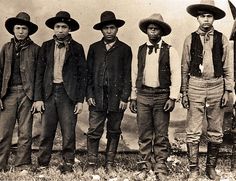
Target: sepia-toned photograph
{"type": "Point", "coordinates": [128, 90]}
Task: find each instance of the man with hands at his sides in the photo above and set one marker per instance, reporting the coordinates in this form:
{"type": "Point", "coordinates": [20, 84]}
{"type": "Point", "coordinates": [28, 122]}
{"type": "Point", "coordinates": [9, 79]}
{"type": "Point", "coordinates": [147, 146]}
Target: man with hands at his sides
{"type": "Point", "coordinates": [109, 87]}
{"type": "Point", "coordinates": [60, 88]}
{"type": "Point", "coordinates": [207, 80]}
{"type": "Point", "coordinates": [155, 87]}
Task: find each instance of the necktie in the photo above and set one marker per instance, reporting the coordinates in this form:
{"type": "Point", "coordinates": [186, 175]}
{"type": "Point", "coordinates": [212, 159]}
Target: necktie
{"type": "Point", "coordinates": [206, 35]}
{"type": "Point", "coordinates": [208, 67]}
{"type": "Point", "coordinates": [151, 47]}
{"type": "Point", "coordinates": [61, 45]}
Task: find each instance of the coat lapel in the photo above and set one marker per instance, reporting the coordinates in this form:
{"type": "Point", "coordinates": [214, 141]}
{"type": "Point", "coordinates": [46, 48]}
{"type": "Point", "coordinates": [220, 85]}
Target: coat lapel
{"type": "Point", "coordinates": [161, 52]}
{"type": "Point", "coordinates": [8, 59]}
{"type": "Point", "coordinates": [68, 52]}
{"type": "Point", "coordinates": [51, 49]}
{"type": "Point", "coordinates": [117, 43]}
{"type": "Point", "coordinates": [143, 53]}
{"type": "Point", "coordinates": [10, 53]}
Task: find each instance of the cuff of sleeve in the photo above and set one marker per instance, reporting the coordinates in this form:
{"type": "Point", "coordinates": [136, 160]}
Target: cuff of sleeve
{"type": "Point", "coordinates": [124, 100]}
{"type": "Point", "coordinates": [133, 95]}
{"type": "Point", "coordinates": [38, 98]}
{"type": "Point", "coordinates": [229, 89]}
{"type": "Point", "coordinates": [173, 99]}
{"type": "Point", "coordinates": [174, 96]}
{"type": "Point", "coordinates": [81, 100]}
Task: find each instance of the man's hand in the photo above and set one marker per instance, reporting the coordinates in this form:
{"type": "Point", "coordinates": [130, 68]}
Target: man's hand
{"type": "Point", "coordinates": [33, 108]}
{"type": "Point", "coordinates": [123, 105]}
{"type": "Point", "coordinates": [170, 105]}
{"type": "Point", "coordinates": [91, 102]}
{"type": "Point", "coordinates": [185, 101]}
{"type": "Point", "coordinates": [78, 108]}
{"type": "Point", "coordinates": [225, 99]}
{"type": "Point", "coordinates": [38, 106]}
{"type": "Point", "coordinates": [1, 105]}
{"type": "Point", "coordinates": [133, 106]}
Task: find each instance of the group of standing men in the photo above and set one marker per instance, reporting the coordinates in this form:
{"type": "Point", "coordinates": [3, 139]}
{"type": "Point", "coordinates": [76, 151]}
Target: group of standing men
{"type": "Point", "coordinates": [55, 78]}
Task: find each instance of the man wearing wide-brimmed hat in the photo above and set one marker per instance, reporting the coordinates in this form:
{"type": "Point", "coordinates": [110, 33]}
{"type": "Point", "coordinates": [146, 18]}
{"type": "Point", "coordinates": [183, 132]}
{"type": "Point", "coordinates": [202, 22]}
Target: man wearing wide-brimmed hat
{"type": "Point", "coordinates": [60, 88]}
{"type": "Point", "coordinates": [207, 80]}
{"type": "Point", "coordinates": [18, 60]}
{"type": "Point", "coordinates": [155, 87]}
{"type": "Point", "coordinates": [109, 87]}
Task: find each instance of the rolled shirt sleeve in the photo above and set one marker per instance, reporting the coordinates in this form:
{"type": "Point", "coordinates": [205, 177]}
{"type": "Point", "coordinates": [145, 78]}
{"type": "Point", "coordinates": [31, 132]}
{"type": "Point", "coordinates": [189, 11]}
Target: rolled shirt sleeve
{"type": "Point", "coordinates": [134, 75]}
{"type": "Point", "coordinates": [175, 68]}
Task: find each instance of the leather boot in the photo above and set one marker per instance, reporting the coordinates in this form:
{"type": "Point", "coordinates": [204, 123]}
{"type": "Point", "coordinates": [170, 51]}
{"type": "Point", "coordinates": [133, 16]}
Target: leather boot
{"type": "Point", "coordinates": [92, 148]}
{"type": "Point", "coordinates": [233, 156]}
{"type": "Point", "coordinates": [212, 156]}
{"type": "Point", "coordinates": [193, 152]}
{"type": "Point", "coordinates": [111, 150]}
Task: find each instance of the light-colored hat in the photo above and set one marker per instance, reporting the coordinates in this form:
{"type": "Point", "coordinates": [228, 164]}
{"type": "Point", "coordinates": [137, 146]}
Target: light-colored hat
{"type": "Point", "coordinates": [206, 6]}
{"type": "Point", "coordinates": [155, 19]}
{"type": "Point", "coordinates": [21, 18]}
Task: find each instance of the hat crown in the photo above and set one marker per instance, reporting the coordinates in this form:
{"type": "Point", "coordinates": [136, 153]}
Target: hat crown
{"type": "Point", "coordinates": [63, 14]}
{"type": "Point", "coordinates": [23, 16]}
{"type": "Point", "coordinates": [208, 2]}
{"type": "Point", "coordinates": [157, 16]}
{"type": "Point", "coordinates": [157, 19]}
{"type": "Point", "coordinates": [206, 6]}
{"type": "Point", "coordinates": [107, 16]}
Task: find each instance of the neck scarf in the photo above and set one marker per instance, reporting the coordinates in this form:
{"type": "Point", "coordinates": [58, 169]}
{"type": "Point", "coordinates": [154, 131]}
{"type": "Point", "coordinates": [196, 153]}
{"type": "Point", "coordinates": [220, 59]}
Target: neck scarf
{"type": "Point", "coordinates": [19, 44]}
{"type": "Point", "coordinates": [63, 42]}
{"type": "Point", "coordinates": [206, 34]}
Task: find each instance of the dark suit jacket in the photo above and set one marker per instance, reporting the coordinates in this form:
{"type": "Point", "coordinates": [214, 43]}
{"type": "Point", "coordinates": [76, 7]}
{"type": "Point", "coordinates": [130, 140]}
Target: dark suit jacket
{"type": "Point", "coordinates": [117, 62]}
{"type": "Point", "coordinates": [74, 72]}
{"type": "Point", "coordinates": [28, 61]}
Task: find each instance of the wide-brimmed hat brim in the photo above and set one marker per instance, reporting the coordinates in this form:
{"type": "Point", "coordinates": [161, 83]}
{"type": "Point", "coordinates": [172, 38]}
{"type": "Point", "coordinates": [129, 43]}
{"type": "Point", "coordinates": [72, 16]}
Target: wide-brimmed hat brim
{"type": "Point", "coordinates": [195, 8]}
{"type": "Point", "coordinates": [166, 29]}
{"type": "Point", "coordinates": [118, 23]}
{"type": "Point", "coordinates": [11, 22]}
{"type": "Point", "coordinates": [73, 24]}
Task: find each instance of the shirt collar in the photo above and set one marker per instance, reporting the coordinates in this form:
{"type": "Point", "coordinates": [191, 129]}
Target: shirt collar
{"type": "Point", "coordinates": [148, 43]}
{"type": "Point", "coordinates": [200, 32]}
{"type": "Point", "coordinates": [110, 42]}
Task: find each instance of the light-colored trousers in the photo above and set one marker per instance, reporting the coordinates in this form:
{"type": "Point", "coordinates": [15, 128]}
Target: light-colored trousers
{"type": "Point", "coordinates": [205, 103]}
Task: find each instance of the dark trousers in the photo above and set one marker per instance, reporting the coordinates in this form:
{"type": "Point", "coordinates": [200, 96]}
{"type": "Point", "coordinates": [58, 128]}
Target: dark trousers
{"type": "Point", "coordinates": [16, 107]}
{"type": "Point", "coordinates": [58, 108]}
{"type": "Point", "coordinates": [97, 121]}
{"type": "Point", "coordinates": [153, 124]}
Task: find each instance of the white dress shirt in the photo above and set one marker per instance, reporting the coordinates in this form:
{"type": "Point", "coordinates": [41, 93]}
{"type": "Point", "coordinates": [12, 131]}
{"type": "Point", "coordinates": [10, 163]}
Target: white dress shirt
{"type": "Point", "coordinates": [151, 72]}
{"type": "Point", "coordinates": [59, 58]}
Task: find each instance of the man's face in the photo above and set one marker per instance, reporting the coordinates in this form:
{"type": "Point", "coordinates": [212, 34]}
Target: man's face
{"type": "Point", "coordinates": [154, 32]}
{"type": "Point", "coordinates": [109, 32]}
{"type": "Point", "coordinates": [205, 20]}
{"type": "Point", "coordinates": [21, 32]}
{"type": "Point", "coordinates": [61, 30]}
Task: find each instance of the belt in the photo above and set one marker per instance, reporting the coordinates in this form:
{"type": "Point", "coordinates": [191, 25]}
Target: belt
{"type": "Point", "coordinates": [145, 88]}
{"type": "Point", "coordinates": [58, 84]}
